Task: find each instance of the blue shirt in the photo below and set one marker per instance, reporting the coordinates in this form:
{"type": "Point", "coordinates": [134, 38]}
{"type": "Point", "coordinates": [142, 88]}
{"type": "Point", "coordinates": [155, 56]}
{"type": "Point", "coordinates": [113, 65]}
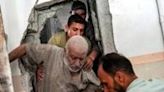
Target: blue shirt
{"type": "Point", "coordinates": [152, 85]}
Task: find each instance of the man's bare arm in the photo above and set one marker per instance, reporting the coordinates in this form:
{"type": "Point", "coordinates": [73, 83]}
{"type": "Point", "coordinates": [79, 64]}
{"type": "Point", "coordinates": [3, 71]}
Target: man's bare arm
{"type": "Point", "coordinates": [17, 53]}
{"type": "Point", "coordinates": [90, 58]}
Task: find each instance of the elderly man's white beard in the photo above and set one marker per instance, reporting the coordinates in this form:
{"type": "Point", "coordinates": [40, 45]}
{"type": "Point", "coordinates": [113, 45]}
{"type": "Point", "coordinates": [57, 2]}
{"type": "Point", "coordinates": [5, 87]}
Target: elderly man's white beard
{"type": "Point", "coordinates": [73, 68]}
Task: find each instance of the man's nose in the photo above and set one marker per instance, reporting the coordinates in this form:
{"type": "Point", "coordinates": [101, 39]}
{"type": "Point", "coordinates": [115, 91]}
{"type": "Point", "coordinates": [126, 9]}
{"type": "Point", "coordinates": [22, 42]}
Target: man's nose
{"type": "Point", "coordinates": [78, 32]}
{"type": "Point", "coordinates": [77, 62]}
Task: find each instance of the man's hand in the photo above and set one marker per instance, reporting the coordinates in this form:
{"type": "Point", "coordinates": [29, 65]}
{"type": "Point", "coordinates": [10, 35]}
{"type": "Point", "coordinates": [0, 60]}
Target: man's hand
{"type": "Point", "coordinates": [40, 72]}
{"type": "Point", "coordinates": [89, 63]}
{"type": "Point", "coordinates": [90, 60]}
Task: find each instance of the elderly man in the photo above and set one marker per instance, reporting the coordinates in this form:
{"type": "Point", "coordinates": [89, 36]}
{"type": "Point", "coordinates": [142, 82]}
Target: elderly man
{"type": "Point", "coordinates": [63, 67]}
{"type": "Point", "coordinates": [117, 75]}
{"type": "Point", "coordinates": [75, 26]}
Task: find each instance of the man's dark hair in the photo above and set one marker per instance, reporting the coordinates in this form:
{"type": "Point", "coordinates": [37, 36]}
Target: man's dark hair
{"type": "Point", "coordinates": [78, 5]}
{"type": "Point", "coordinates": [77, 19]}
{"type": "Point", "coordinates": [114, 62]}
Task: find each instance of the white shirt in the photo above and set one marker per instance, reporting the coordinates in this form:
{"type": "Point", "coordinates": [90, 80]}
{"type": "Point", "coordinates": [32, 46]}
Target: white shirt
{"type": "Point", "coordinates": [151, 85]}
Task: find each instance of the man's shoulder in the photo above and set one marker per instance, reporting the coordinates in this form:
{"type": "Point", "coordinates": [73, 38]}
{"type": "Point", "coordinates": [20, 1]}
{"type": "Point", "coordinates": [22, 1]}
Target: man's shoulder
{"type": "Point", "coordinates": [58, 39]}
{"type": "Point", "coordinates": [151, 85]}
{"type": "Point", "coordinates": [91, 77]}
{"type": "Point", "coordinates": [59, 34]}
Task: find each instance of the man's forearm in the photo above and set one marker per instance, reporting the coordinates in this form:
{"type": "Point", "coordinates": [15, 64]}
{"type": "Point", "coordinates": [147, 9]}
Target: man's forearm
{"type": "Point", "coordinates": [17, 53]}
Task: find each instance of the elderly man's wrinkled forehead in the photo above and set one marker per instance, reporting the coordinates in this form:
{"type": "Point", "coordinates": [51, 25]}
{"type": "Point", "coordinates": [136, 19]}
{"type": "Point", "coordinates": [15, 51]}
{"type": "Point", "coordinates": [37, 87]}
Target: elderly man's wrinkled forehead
{"type": "Point", "coordinates": [77, 42]}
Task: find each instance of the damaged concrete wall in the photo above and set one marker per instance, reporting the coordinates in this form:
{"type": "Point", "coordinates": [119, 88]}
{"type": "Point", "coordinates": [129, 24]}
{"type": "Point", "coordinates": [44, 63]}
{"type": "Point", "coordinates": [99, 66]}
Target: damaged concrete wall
{"type": "Point", "coordinates": [15, 16]}
{"type": "Point", "coordinates": [160, 7]}
{"type": "Point", "coordinates": [15, 19]}
{"type": "Point", "coordinates": [5, 71]}
{"type": "Point", "coordinates": [137, 30]}
{"type": "Point", "coordinates": [106, 26]}
{"type": "Point", "coordinates": [136, 26]}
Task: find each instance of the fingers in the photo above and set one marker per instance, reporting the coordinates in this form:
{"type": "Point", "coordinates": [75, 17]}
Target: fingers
{"type": "Point", "coordinates": [40, 76]}
{"type": "Point", "coordinates": [40, 73]}
{"type": "Point", "coordinates": [88, 65]}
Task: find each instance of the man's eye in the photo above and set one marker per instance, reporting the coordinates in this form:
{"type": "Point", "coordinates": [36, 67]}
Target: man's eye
{"type": "Point", "coordinates": [75, 29]}
{"type": "Point", "coordinates": [104, 84]}
{"type": "Point", "coordinates": [72, 57]}
{"type": "Point", "coordinates": [81, 59]}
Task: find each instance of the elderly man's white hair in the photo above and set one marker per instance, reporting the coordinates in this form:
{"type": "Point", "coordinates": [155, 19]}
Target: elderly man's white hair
{"type": "Point", "coordinates": [77, 41]}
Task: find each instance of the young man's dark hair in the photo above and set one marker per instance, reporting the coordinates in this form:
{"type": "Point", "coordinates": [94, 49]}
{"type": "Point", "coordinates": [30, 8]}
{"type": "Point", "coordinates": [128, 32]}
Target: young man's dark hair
{"type": "Point", "coordinates": [78, 5]}
{"type": "Point", "coordinates": [114, 62]}
{"type": "Point", "coordinates": [76, 18]}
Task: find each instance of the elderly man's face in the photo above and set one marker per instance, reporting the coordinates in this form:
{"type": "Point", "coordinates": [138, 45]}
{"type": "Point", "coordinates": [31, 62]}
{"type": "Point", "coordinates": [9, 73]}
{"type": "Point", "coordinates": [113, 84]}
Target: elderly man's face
{"type": "Point", "coordinates": [76, 58]}
{"type": "Point", "coordinates": [108, 82]}
{"type": "Point", "coordinates": [75, 29]}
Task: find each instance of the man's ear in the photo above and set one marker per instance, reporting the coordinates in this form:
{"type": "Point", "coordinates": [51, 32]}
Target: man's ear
{"type": "Point", "coordinates": [66, 50]}
{"type": "Point", "coordinates": [72, 12]}
{"type": "Point", "coordinates": [66, 28]}
{"type": "Point", "coordinates": [120, 78]}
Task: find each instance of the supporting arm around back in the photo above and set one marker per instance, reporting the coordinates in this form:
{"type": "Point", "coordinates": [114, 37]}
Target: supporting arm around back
{"type": "Point", "coordinates": [17, 52]}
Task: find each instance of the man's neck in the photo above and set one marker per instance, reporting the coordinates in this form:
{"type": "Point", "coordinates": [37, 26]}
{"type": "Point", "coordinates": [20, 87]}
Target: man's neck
{"type": "Point", "coordinates": [133, 77]}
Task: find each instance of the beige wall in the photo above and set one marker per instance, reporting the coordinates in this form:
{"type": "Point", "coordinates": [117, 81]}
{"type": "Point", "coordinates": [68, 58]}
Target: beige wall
{"type": "Point", "coordinates": [149, 65]}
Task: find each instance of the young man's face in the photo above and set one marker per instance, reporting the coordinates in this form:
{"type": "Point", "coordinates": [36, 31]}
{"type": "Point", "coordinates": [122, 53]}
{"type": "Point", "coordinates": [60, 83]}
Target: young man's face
{"type": "Point", "coordinates": [108, 82]}
{"type": "Point", "coordinates": [75, 29]}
